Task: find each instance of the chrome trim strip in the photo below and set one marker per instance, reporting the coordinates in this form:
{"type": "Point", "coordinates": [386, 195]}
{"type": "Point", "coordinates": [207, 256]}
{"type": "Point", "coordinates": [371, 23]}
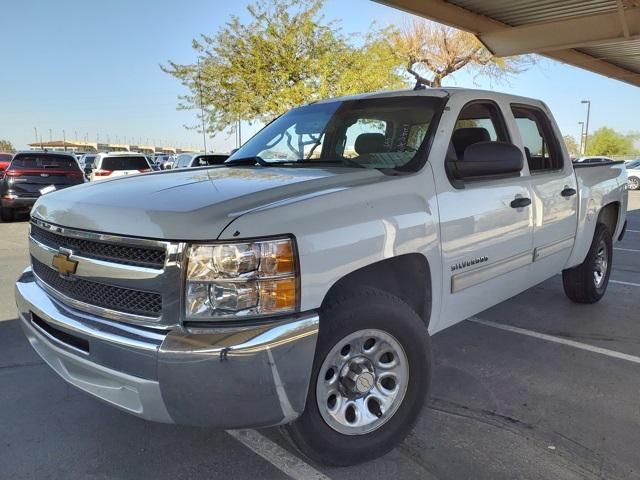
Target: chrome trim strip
{"type": "Point", "coordinates": [100, 237]}
{"type": "Point", "coordinates": [101, 311]}
{"type": "Point", "coordinates": [551, 248]}
{"type": "Point", "coordinates": [464, 280]}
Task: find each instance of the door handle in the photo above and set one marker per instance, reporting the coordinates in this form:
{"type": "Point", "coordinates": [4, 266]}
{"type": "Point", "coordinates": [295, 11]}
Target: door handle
{"type": "Point", "coordinates": [520, 202]}
{"type": "Point", "coordinates": [567, 192]}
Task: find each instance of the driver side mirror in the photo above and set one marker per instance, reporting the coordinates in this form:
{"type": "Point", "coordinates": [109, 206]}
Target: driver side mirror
{"type": "Point", "coordinates": [487, 159]}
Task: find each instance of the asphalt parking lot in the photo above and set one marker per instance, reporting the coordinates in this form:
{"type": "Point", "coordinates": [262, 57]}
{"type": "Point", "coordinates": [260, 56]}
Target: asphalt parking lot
{"type": "Point", "coordinates": [536, 387]}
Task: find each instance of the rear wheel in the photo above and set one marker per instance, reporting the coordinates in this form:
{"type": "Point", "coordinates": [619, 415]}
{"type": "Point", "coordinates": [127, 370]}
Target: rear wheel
{"type": "Point", "coordinates": [634, 183]}
{"type": "Point", "coordinates": [587, 283]}
{"type": "Point", "coordinates": [7, 214]}
{"type": "Point", "coordinates": [370, 377]}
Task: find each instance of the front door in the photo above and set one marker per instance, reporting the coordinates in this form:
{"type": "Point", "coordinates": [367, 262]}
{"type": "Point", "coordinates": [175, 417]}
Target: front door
{"type": "Point", "coordinates": [486, 238]}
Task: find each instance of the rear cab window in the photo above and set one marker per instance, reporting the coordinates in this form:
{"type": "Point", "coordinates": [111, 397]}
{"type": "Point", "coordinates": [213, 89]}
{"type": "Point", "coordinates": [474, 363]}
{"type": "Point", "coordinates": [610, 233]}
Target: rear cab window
{"type": "Point", "coordinates": [124, 163]}
{"type": "Point", "coordinates": [541, 146]}
{"type": "Point", "coordinates": [44, 161]}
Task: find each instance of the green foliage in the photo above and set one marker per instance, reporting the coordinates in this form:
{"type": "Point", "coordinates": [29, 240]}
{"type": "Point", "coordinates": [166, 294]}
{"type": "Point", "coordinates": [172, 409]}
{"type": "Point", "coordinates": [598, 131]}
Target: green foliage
{"type": "Point", "coordinates": [6, 146]}
{"type": "Point", "coordinates": [572, 146]}
{"type": "Point", "coordinates": [284, 56]}
{"type": "Point", "coordinates": [606, 141]}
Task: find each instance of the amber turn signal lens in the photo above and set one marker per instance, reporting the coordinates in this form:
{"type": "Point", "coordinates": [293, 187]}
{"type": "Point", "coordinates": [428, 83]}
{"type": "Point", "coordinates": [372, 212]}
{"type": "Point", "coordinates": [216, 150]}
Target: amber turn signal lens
{"type": "Point", "coordinates": [278, 295]}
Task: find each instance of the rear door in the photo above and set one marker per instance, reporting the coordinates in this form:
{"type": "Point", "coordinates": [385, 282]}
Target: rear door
{"type": "Point", "coordinates": [32, 174]}
{"type": "Point", "coordinates": [554, 188]}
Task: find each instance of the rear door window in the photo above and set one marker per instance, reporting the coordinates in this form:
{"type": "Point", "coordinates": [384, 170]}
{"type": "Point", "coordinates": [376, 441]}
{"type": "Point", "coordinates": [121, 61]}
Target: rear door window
{"type": "Point", "coordinates": [45, 161]}
{"type": "Point", "coordinates": [124, 163]}
{"type": "Point", "coordinates": [540, 143]}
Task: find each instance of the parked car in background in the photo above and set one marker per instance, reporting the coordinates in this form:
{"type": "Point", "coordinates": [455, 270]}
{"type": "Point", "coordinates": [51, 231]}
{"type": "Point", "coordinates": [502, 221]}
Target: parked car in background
{"type": "Point", "coordinates": [87, 159]}
{"type": "Point", "coordinates": [188, 160]}
{"type": "Point", "coordinates": [5, 160]}
{"type": "Point", "coordinates": [32, 174]}
{"type": "Point", "coordinates": [633, 172]}
{"type": "Point", "coordinates": [593, 159]}
{"type": "Point", "coordinates": [110, 165]}
{"type": "Point", "coordinates": [165, 161]}
{"type": "Point", "coordinates": [301, 287]}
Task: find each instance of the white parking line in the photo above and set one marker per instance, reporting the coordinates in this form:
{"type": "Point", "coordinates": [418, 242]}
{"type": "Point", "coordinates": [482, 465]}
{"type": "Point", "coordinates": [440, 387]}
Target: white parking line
{"type": "Point", "coordinates": [626, 249]}
{"type": "Point", "coordinates": [277, 456]}
{"type": "Point", "coordinates": [633, 231]}
{"type": "Point", "coordinates": [563, 341]}
{"type": "Point", "coordinates": [620, 282]}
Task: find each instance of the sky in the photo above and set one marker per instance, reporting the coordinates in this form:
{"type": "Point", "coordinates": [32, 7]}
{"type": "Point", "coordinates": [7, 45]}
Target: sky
{"type": "Point", "coordinates": [92, 68]}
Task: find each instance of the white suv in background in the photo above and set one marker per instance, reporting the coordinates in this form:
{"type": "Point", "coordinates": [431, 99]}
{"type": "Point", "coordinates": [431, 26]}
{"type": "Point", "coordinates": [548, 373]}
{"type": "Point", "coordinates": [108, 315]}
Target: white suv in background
{"type": "Point", "coordinates": [109, 165]}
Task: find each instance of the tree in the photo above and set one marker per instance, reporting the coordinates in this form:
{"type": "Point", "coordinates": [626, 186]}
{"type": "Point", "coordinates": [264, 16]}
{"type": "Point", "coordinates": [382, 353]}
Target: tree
{"type": "Point", "coordinates": [6, 146]}
{"type": "Point", "coordinates": [572, 146]}
{"type": "Point", "coordinates": [606, 141]}
{"type": "Point", "coordinates": [285, 56]}
{"type": "Point", "coordinates": [430, 52]}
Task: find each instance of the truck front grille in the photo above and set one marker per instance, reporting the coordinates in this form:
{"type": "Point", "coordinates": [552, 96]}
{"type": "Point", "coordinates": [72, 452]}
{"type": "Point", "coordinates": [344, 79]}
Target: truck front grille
{"type": "Point", "coordinates": [122, 254]}
{"type": "Point", "coordinates": [120, 299]}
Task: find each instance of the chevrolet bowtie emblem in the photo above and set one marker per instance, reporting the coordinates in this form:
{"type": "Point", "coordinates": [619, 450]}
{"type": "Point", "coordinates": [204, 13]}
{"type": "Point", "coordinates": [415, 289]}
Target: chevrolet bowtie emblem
{"type": "Point", "coordinates": [64, 264]}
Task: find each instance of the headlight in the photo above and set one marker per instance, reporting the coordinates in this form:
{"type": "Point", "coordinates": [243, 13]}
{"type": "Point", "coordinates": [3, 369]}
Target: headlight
{"type": "Point", "coordinates": [239, 279]}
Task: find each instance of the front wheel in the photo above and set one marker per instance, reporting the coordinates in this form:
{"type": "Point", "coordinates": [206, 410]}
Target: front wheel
{"type": "Point", "coordinates": [634, 183]}
{"type": "Point", "coordinates": [588, 282]}
{"type": "Point", "coordinates": [370, 378]}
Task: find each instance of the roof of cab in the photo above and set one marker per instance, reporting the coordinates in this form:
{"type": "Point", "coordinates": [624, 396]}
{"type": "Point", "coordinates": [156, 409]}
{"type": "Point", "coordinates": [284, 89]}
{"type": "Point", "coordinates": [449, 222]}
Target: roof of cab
{"type": "Point", "coordinates": [442, 92]}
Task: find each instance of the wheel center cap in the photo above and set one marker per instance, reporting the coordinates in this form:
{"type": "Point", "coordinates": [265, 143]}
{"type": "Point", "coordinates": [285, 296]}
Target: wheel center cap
{"type": "Point", "coordinates": [364, 382]}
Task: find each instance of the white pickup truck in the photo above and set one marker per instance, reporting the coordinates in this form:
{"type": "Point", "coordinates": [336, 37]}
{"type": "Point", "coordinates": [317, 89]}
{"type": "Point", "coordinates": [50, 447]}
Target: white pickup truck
{"type": "Point", "coordinates": [300, 283]}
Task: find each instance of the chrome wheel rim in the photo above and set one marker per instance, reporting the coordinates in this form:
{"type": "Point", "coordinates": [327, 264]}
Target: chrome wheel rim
{"type": "Point", "coordinates": [601, 264]}
{"type": "Point", "coordinates": [362, 382]}
{"type": "Point", "coordinates": [634, 184]}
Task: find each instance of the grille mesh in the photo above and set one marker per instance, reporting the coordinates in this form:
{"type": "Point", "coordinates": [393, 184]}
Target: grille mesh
{"type": "Point", "coordinates": [107, 296]}
{"type": "Point", "coordinates": [122, 254]}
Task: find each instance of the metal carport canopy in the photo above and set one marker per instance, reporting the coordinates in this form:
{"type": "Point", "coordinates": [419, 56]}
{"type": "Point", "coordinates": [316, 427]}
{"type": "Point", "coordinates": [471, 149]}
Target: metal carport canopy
{"type": "Point", "coordinates": [602, 36]}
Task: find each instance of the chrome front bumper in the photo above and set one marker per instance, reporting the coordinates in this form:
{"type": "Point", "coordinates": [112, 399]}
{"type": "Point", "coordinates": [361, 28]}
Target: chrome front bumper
{"type": "Point", "coordinates": [232, 377]}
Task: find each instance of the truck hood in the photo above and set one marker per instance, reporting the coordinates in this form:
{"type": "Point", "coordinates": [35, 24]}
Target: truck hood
{"type": "Point", "coordinates": [189, 204]}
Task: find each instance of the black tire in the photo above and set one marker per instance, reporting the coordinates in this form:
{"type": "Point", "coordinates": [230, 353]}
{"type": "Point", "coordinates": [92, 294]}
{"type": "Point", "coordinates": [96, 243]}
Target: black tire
{"type": "Point", "coordinates": [7, 214]}
{"type": "Point", "coordinates": [579, 282]}
{"type": "Point", "coordinates": [634, 183]}
{"type": "Point", "coordinates": [365, 308]}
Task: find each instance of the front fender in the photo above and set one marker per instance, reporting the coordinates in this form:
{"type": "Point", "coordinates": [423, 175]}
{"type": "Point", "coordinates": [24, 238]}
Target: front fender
{"type": "Point", "coordinates": [340, 231]}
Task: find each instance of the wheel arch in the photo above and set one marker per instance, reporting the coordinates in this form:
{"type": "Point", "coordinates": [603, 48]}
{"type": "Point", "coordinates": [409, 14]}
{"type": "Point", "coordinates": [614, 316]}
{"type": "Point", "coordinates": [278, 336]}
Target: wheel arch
{"type": "Point", "coordinates": [609, 215]}
{"type": "Point", "coordinates": [406, 276]}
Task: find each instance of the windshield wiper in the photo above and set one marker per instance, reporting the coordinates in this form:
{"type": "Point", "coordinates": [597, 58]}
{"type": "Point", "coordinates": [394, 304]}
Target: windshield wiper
{"type": "Point", "coordinates": [248, 161]}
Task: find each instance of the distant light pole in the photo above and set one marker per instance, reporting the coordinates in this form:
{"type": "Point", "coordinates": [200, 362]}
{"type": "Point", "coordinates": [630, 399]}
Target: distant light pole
{"type": "Point", "coordinates": [50, 136]}
{"type": "Point", "coordinates": [581, 136]}
{"type": "Point", "coordinates": [586, 130]}
{"type": "Point", "coordinates": [64, 140]}
{"type": "Point", "coordinates": [36, 132]}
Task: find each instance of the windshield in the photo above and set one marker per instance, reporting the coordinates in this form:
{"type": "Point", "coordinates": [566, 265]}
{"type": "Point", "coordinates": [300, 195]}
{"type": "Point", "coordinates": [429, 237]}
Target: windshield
{"type": "Point", "coordinates": [124, 163]}
{"type": "Point", "coordinates": [634, 164]}
{"type": "Point", "coordinates": [44, 160]}
{"type": "Point", "coordinates": [368, 133]}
